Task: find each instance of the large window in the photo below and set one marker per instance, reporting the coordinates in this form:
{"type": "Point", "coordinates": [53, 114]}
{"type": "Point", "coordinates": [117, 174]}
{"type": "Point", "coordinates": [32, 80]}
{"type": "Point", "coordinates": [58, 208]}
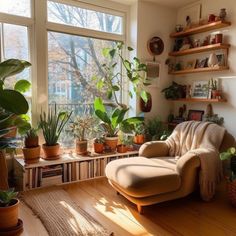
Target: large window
{"type": "Point", "coordinates": [63, 39]}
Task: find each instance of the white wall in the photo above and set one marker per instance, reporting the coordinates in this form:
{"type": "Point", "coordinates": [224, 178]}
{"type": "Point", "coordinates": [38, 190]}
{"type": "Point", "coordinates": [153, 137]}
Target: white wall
{"type": "Point", "coordinates": [156, 20]}
{"type": "Point", "coordinates": [228, 110]}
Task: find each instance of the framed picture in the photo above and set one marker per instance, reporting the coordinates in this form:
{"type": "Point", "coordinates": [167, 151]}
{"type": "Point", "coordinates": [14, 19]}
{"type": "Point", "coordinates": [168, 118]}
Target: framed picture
{"type": "Point", "coordinates": [196, 115]}
{"type": "Point", "coordinates": [221, 59]}
{"type": "Point", "coordinates": [201, 63]}
{"type": "Point", "coordinates": [190, 64]}
{"type": "Point", "coordinates": [200, 89]}
{"type": "Point", "coordinates": [193, 11]}
{"type": "Point", "coordinates": [153, 73]}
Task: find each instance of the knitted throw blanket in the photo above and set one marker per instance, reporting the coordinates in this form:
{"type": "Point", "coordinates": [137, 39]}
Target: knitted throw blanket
{"type": "Point", "coordinates": [204, 140]}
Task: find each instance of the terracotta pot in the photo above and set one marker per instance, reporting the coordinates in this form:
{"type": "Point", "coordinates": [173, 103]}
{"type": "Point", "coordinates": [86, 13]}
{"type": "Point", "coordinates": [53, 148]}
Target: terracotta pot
{"type": "Point", "coordinates": [111, 143]}
{"type": "Point", "coordinates": [145, 107]}
{"type": "Point", "coordinates": [12, 133]}
{"type": "Point", "coordinates": [31, 142]}
{"type": "Point", "coordinates": [81, 147]}
{"type": "Point", "coordinates": [31, 155]}
{"type": "Point", "coordinates": [51, 152]}
{"type": "Point", "coordinates": [9, 215]}
{"type": "Point", "coordinates": [216, 94]}
{"type": "Point", "coordinates": [139, 139]}
{"type": "Point", "coordinates": [122, 148]}
{"type": "Point", "coordinates": [98, 147]}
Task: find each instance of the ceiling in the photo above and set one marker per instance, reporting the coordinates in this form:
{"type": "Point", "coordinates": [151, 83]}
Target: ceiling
{"type": "Point", "coordinates": [169, 3]}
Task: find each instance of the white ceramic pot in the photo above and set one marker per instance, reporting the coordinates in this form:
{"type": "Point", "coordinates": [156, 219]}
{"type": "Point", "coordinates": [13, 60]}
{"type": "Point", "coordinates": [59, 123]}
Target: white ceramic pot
{"type": "Point", "coordinates": [212, 61]}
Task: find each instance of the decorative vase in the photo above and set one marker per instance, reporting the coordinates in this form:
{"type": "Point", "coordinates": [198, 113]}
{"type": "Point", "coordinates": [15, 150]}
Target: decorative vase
{"type": "Point", "coordinates": [211, 18]}
{"type": "Point", "coordinates": [98, 147]}
{"type": "Point", "coordinates": [222, 14]}
{"type": "Point", "coordinates": [51, 152]}
{"type": "Point", "coordinates": [9, 215]}
{"type": "Point", "coordinates": [146, 107]}
{"type": "Point", "coordinates": [31, 155]}
{"type": "Point", "coordinates": [111, 143]}
{"type": "Point", "coordinates": [81, 147]}
{"type": "Point", "coordinates": [212, 61]}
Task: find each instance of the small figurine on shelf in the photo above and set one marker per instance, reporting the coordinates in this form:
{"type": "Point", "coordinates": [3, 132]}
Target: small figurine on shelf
{"type": "Point", "coordinates": [222, 14]}
{"type": "Point", "coordinates": [179, 28]}
{"type": "Point", "coordinates": [188, 22]}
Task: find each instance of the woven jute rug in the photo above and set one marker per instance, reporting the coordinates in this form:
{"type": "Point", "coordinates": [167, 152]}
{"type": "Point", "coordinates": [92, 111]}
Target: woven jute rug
{"type": "Point", "coordinates": [60, 215]}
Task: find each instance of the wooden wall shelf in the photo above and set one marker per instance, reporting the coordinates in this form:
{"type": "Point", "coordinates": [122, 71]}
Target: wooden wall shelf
{"type": "Point", "coordinates": [201, 29]}
{"type": "Point", "coordinates": [201, 100]}
{"type": "Point", "coordinates": [207, 48]}
{"type": "Point", "coordinates": [199, 70]}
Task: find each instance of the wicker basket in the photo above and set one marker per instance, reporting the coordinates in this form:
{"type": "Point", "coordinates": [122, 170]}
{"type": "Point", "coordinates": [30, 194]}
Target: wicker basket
{"type": "Point", "coordinates": [232, 192]}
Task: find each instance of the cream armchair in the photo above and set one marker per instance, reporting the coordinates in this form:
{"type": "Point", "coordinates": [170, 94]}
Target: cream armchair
{"type": "Point", "coordinates": [154, 176]}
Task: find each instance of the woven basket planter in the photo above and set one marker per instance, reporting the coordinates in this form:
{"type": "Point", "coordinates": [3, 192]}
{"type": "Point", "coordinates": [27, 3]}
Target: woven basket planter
{"type": "Point", "coordinates": [232, 192]}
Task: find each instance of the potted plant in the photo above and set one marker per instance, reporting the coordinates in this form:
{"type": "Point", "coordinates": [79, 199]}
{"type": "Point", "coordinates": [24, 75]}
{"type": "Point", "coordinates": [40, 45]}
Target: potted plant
{"type": "Point", "coordinates": [52, 125]}
{"type": "Point", "coordinates": [99, 145]}
{"type": "Point", "coordinates": [12, 105]}
{"type": "Point", "coordinates": [8, 209]}
{"type": "Point", "coordinates": [215, 92]}
{"type": "Point", "coordinates": [139, 136]}
{"type": "Point", "coordinates": [32, 148]}
{"type": "Point", "coordinates": [154, 129]}
{"type": "Point", "coordinates": [114, 121]}
{"type": "Point", "coordinates": [123, 147]}
{"type": "Point", "coordinates": [175, 91]}
{"type": "Point", "coordinates": [82, 127]}
{"type": "Point", "coordinates": [230, 157]}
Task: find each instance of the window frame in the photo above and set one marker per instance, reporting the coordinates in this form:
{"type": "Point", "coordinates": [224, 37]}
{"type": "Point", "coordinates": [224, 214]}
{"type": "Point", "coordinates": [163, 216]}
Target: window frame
{"type": "Point", "coordinates": [38, 28]}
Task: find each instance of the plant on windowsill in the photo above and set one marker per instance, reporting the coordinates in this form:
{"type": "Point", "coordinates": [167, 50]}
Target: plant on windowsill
{"type": "Point", "coordinates": [230, 157]}
{"type": "Point", "coordinates": [12, 106]}
{"type": "Point", "coordinates": [52, 125]}
{"type": "Point", "coordinates": [31, 150]}
{"type": "Point", "coordinates": [82, 127]}
{"type": "Point", "coordinates": [99, 145]}
{"type": "Point", "coordinates": [114, 122]}
{"type": "Point", "coordinates": [112, 82]}
{"type": "Point", "coordinates": [125, 142]}
{"type": "Point", "coordinates": [9, 205]}
{"type": "Point", "coordinates": [139, 133]}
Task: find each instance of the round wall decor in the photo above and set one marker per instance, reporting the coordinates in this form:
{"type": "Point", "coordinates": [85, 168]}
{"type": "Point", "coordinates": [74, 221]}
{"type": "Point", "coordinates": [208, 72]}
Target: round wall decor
{"type": "Point", "coordinates": [155, 46]}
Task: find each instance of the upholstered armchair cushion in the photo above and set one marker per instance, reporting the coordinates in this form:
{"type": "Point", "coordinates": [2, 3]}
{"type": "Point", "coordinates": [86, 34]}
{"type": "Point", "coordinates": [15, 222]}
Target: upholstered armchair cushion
{"type": "Point", "coordinates": [143, 177]}
{"type": "Point", "coordinates": [154, 149]}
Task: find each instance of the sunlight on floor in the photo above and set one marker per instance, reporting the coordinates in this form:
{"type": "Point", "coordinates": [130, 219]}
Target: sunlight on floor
{"type": "Point", "coordinates": [116, 212]}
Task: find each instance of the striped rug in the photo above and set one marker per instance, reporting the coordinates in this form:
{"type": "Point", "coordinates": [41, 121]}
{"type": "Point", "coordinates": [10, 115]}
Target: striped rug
{"type": "Point", "coordinates": [60, 215]}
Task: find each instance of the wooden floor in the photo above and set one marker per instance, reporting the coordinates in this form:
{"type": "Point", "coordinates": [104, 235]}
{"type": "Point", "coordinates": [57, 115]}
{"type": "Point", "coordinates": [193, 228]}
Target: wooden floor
{"type": "Point", "coordinates": [189, 216]}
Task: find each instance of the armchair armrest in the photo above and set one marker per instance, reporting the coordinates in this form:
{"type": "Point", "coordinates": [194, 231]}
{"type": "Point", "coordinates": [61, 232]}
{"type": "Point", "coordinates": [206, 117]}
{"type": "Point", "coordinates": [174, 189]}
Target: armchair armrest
{"type": "Point", "coordinates": [187, 161]}
{"type": "Point", "coordinates": [154, 149]}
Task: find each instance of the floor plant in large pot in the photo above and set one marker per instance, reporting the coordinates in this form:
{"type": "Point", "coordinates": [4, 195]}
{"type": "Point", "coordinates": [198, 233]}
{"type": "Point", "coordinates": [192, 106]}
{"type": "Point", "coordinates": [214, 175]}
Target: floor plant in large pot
{"type": "Point", "coordinates": [52, 125]}
{"type": "Point", "coordinates": [9, 206]}
{"type": "Point", "coordinates": [113, 117]}
{"type": "Point", "coordinates": [12, 106]}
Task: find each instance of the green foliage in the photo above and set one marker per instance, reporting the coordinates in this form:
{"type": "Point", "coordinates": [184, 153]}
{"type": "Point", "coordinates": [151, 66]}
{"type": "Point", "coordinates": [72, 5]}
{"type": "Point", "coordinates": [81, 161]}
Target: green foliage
{"type": "Point", "coordinates": [139, 128]}
{"type": "Point", "coordinates": [83, 127]}
{"type": "Point", "coordinates": [174, 91]}
{"type": "Point", "coordinates": [112, 81]}
{"type": "Point", "coordinates": [52, 125]}
{"type": "Point", "coordinates": [230, 155]}
{"type": "Point", "coordinates": [22, 86]}
{"type": "Point", "coordinates": [31, 133]}
{"type": "Point", "coordinates": [6, 197]}
{"type": "Point", "coordinates": [100, 140]}
{"type": "Point", "coordinates": [12, 100]}
{"type": "Point", "coordinates": [112, 122]}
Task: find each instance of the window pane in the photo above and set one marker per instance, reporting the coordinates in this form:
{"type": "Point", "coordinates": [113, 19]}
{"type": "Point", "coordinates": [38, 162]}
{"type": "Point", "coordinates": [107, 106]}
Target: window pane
{"type": "Point", "coordinates": [75, 16]}
{"type": "Point", "coordinates": [73, 61]}
{"type": "Point", "coordinates": [16, 7]}
{"type": "Point", "coordinates": [15, 45]}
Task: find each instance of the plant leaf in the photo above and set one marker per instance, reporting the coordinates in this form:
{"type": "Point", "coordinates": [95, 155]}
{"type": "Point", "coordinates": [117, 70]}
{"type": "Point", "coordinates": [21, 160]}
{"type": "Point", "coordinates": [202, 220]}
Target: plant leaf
{"type": "Point", "coordinates": [22, 86]}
